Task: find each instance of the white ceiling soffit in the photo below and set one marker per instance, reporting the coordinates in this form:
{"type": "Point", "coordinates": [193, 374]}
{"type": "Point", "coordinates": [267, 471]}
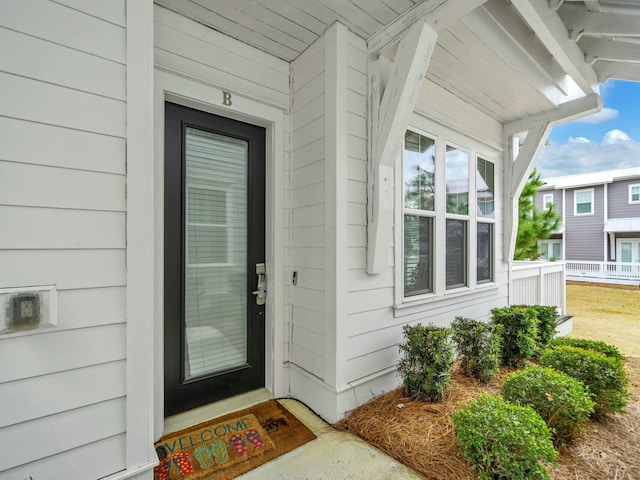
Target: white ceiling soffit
{"type": "Point", "coordinates": [608, 32]}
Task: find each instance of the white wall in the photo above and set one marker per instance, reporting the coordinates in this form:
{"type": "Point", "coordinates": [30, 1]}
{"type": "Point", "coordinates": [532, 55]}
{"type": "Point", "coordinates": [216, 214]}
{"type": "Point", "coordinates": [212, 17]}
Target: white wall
{"type": "Point", "coordinates": [62, 207]}
{"type": "Point", "coordinates": [308, 251]}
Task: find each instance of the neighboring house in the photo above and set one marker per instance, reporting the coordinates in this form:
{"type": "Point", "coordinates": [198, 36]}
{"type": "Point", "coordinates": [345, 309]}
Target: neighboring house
{"type": "Point", "coordinates": [600, 214]}
{"type": "Point", "coordinates": [200, 198]}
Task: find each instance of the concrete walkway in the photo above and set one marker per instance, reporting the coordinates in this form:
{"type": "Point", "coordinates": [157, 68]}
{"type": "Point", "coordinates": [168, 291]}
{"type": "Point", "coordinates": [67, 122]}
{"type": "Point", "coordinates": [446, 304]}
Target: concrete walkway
{"type": "Point", "coordinates": [334, 455]}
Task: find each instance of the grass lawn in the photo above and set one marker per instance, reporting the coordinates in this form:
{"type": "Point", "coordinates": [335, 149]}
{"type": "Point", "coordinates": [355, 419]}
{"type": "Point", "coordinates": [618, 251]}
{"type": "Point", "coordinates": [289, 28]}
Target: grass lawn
{"type": "Point", "coordinates": [606, 313]}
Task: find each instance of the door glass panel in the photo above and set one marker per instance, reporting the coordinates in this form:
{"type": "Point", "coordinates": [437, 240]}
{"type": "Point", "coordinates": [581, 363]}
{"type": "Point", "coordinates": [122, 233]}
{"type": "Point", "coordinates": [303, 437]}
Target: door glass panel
{"type": "Point", "coordinates": [216, 253]}
{"type": "Point", "coordinates": [625, 251]}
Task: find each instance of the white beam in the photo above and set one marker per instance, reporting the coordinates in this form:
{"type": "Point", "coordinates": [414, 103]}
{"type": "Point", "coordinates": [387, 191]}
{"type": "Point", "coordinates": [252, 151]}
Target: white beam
{"type": "Point", "coordinates": [550, 29]}
{"type": "Point", "coordinates": [439, 14]}
{"type": "Point", "coordinates": [517, 55]}
{"type": "Point", "coordinates": [605, 49]}
{"type": "Point", "coordinates": [581, 22]}
{"type": "Point", "coordinates": [389, 116]}
{"type": "Point", "coordinates": [507, 19]}
{"type": "Point", "coordinates": [567, 111]}
{"type": "Point", "coordinates": [622, 71]}
{"type": "Point", "coordinates": [518, 165]}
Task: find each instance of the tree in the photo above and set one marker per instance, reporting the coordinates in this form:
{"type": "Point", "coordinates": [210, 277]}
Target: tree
{"type": "Point", "coordinates": [533, 224]}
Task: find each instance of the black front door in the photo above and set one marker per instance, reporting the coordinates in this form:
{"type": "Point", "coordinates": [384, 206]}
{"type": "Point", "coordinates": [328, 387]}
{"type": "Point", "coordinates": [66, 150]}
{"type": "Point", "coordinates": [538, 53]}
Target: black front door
{"type": "Point", "coordinates": [214, 237]}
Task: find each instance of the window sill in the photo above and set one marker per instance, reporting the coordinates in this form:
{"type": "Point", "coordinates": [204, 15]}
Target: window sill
{"type": "Point", "coordinates": [409, 307]}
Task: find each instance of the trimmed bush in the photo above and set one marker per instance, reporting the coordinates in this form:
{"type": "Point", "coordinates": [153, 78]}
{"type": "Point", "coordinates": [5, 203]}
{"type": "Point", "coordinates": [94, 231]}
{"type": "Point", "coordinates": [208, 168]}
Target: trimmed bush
{"type": "Point", "coordinates": [604, 377]}
{"type": "Point", "coordinates": [504, 441]}
{"type": "Point", "coordinates": [547, 321]}
{"type": "Point", "coordinates": [478, 345]}
{"type": "Point", "coordinates": [593, 345]}
{"type": "Point", "coordinates": [426, 361]}
{"type": "Point", "coordinates": [562, 401]}
{"type": "Point", "coordinates": [519, 333]}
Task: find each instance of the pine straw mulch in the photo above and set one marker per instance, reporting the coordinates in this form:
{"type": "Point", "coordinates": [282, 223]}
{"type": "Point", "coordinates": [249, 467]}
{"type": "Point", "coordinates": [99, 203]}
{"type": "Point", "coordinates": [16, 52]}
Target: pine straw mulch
{"type": "Point", "coordinates": [421, 435]}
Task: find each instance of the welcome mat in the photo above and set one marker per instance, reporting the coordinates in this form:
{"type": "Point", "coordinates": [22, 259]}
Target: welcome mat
{"type": "Point", "coordinates": [231, 445]}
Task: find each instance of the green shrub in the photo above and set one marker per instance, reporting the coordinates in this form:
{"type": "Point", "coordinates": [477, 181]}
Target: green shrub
{"type": "Point", "coordinates": [519, 332]}
{"type": "Point", "coordinates": [478, 345]}
{"type": "Point", "coordinates": [604, 377]}
{"type": "Point", "coordinates": [426, 360]}
{"type": "Point", "coordinates": [593, 345]}
{"type": "Point", "coordinates": [504, 441]}
{"type": "Point", "coordinates": [546, 323]}
{"type": "Point", "coordinates": [562, 401]}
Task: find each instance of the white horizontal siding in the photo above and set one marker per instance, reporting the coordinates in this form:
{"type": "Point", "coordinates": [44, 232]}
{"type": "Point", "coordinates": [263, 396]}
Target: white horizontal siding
{"type": "Point", "coordinates": [66, 26]}
{"type": "Point", "coordinates": [33, 100]}
{"type": "Point", "coordinates": [54, 434]}
{"type": "Point", "coordinates": [66, 390]}
{"type": "Point", "coordinates": [82, 463]}
{"type": "Point", "coordinates": [46, 353]}
{"type": "Point", "coordinates": [308, 251]}
{"type": "Point", "coordinates": [99, 229]}
{"type": "Point", "coordinates": [41, 60]}
{"type": "Point", "coordinates": [62, 199]}
{"type": "Point", "coordinates": [60, 147]}
{"type": "Point", "coordinates": [190, 48]}
{"type": "Point", "coordinates": [42, 186]}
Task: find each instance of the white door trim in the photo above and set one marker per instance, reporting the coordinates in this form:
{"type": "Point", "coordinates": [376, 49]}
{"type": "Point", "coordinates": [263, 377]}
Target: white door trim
{"type": "Point", "coordinates": [213, 99]}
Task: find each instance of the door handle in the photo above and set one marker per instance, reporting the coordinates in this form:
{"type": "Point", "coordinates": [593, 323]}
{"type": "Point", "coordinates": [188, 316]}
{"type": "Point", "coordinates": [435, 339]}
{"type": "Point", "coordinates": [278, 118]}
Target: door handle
{"type": "Point", "coordinates": [261, 292]}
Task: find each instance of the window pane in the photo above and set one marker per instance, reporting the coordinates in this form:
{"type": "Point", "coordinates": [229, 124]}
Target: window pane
{"type": "Point", "coordinates": [419, 171]}
{"type": "Point", "coordinates": [418, 255]}
{"type": "Point", "coordinates": [557, 253]}
{"type": "Point", "coordinates": [635, 193]}
{"type": "Point", "coordinates": [583, 202]}
{"type": "Point", "coordinates": [485, 188]}
{"type": "Point", "coordinates": [544, 250]}
{"type": "Point", "coordinates": [456, 253]}
{"type": "Point", "coordinates": [457, 178]}
{"type": "Point", "coordinates": [485, 252]}
{"type": "Point", "coordinates": [625, 251]}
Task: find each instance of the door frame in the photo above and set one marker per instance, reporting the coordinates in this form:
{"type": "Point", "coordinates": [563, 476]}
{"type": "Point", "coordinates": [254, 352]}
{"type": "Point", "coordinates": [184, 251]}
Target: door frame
{"type": "Point", "coordinates": [213, 99]}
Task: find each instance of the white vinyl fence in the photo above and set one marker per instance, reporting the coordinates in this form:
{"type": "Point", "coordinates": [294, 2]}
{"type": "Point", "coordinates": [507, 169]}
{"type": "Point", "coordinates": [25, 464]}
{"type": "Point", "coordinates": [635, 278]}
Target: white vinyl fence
{"type": "Point", "coordinates": [538, 283]}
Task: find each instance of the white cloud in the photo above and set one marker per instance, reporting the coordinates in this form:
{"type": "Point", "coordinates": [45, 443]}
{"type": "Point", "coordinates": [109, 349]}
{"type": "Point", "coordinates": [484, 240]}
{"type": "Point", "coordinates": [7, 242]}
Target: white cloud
{"type": "Point", "coordinates": [578, 140]}
{"type": "Point", "coordinates": [617, 150]}
{"type": "Point", "coordinates": [615, 136]}
{"type": "Point", "coordinates": [602, 116]}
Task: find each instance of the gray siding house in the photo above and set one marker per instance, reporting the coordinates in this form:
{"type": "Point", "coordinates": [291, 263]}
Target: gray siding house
{"type": "Point", "coordinates": [600, 216]}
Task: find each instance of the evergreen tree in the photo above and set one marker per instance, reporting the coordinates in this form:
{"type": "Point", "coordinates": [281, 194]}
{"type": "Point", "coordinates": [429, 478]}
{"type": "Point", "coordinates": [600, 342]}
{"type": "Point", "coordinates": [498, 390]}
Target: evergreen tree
{"type": "Point", "coordinates": [533, 224]}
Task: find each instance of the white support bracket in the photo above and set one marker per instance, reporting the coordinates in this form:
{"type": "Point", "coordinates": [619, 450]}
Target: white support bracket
{"type": "Point", "coordinates": [518, 163]}
{"type": "Point", "coordinates": [391, 104]}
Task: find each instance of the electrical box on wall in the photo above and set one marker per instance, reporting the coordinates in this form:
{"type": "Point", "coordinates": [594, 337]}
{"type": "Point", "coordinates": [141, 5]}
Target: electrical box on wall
{"type": "Point", "coordinates": [27, 308]}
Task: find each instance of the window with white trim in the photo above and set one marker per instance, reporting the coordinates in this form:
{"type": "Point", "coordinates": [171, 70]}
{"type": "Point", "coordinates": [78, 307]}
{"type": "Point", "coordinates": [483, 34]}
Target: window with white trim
{"type": "Point", "coordinates": [448, 216]}
{"type": "Point", "coordinates": [628, 250]}
{"type": "Point", "coordinates": [634, 193]}
{"type": "Point", "coordinates": [550, 249]}
{"type": "Point", "coordinates": [547, 201]}
{"type": "Point", "coordinates": [583, 202]}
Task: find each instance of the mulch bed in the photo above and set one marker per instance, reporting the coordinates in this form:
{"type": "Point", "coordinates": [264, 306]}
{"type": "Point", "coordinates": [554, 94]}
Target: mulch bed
{"type": "Point", "coordinates": [421, 435]}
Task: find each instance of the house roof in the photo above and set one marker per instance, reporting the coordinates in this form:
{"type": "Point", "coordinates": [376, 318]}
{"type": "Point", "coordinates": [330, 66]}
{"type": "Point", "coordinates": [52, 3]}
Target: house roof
{"type": "Point", "coordinates": [507, 58]}
{"type": "Point", "coordinates": [587, 179]}
{"type": "Point", "coordinates": [620, 225]}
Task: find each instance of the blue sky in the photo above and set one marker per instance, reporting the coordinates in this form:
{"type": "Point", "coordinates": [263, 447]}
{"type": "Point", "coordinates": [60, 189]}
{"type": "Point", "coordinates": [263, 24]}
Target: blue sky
{"type": "Point", "coordinates": [605, 141]}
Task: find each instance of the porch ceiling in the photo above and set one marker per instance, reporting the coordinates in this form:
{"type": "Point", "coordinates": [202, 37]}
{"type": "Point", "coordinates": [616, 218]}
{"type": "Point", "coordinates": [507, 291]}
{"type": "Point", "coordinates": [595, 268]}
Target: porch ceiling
{"type": "Point", "coordinates": [508, 58]}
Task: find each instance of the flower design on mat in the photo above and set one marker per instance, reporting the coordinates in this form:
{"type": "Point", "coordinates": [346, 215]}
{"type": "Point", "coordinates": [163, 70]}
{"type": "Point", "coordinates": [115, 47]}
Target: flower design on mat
{"type": "Point", "coordinates": [238, 444]}
{"type": "Point", "coordinates": [254, 438]}
{"type": "Point", "coordinates": [182, 460]}
{"type": "Point", "coordinates": [161, 472]}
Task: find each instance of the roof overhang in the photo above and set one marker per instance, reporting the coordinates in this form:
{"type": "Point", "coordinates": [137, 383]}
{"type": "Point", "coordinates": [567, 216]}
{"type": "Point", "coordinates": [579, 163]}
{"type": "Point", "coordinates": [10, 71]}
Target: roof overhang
{"type": "Point", "coordinates": [622, 225]}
